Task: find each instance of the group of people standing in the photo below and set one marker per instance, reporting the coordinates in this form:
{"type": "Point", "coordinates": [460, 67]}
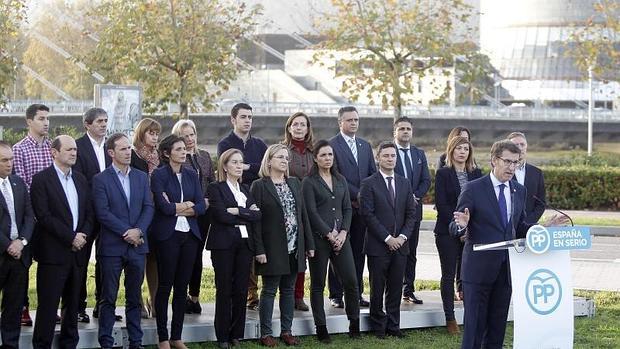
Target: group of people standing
{"type": "Point", "coordinates": [151, 206]}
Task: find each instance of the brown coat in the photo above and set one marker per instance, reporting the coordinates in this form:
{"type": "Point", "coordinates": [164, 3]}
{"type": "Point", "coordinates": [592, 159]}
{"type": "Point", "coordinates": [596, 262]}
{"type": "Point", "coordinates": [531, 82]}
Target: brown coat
{"type": "Point", "coordinates": [299, 165]}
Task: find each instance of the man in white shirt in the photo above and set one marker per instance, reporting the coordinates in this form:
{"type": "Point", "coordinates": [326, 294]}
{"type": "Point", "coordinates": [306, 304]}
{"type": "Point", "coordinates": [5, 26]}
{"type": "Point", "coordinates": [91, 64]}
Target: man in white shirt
{"type": "Point", "coordinates": [16, 226]}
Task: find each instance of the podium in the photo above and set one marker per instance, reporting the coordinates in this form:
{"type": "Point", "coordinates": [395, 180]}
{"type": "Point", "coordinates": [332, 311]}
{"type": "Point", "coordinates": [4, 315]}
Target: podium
{"type": "Point", "coordinates": [542, 290]}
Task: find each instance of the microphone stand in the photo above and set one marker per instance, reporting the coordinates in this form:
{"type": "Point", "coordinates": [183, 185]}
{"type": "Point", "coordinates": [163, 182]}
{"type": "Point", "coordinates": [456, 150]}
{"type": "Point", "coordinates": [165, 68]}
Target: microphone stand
{"type": "Point", "coordinates": [554, 209]}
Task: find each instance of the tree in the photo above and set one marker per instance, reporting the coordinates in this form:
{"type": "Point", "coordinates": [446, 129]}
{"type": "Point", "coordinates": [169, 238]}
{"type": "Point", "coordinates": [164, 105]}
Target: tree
{"type": "Point", "coordinates": [393, 43]}
{"type": "Point", "coordinates": [12, 14]}
{"type": "Point", "coordinates": [180, 51]}
{"type": "Point", "coordinates": [596, 43]}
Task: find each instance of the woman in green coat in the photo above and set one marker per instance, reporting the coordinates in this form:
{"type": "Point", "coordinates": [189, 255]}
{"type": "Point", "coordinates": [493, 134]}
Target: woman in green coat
{"type": "Point", "coordinates": [329, 211]}
{"type": "Point", "coordinates": [281, 241]}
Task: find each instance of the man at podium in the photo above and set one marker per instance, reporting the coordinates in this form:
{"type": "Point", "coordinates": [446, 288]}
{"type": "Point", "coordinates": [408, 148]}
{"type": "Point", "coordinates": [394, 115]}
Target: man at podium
{"type": "Point", "coordinates": [490, 209]}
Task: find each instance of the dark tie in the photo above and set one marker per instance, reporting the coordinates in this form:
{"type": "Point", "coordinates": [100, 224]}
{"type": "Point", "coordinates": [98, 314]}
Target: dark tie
{"type": "Point", "coordinates": [503, 210]}
{"type": "Point", "coordinates": [408, 168]}
{"type": "Point", "coordinates": [391, 190]}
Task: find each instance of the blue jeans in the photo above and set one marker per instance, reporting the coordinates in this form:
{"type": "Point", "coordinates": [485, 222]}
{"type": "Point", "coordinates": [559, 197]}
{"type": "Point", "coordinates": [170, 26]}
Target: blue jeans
{"type": "Point", "coordinates": [111, 267]}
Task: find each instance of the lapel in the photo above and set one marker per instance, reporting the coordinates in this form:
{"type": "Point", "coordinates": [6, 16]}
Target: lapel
{"type": "Point", "coordinates": [490, 193]}
{"type": "Point", "coordinates": [528, 181]}
{"type": "Point", "coordinates": [3, 201]}
{"type": "Point", "coordinates": [455, 181]}
{"type": "Point", "coordinates": [135, 197]}
{"type": "Point", "coordinates": [295, 193]}
{"type": "Point", "coordinates": [18, 195]}
{"type": "Point", "coordinates": [380, 182]}
{"type": "Point", "coordinates": [346, 150]}
{"type": "Point", "coordinates": [57, 186]}
{"type": "Point", "coordinates": [228, 194]}
{"type": "Point", "coordinates": [176, 195]}
{"type": "Point", "coordinates": [117, 182]}
{"type": "Point", "coordinates": [399, 162]}
{"type": "Point", "coordinates": [322, 183]}
{"type": "Point", "coordinates": [271, 188]}
{"type": "Point", "coordinates": [90, 152]}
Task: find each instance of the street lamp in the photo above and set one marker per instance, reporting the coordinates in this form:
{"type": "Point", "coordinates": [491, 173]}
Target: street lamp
{"type": "Point", "coordinates": [590, 107]}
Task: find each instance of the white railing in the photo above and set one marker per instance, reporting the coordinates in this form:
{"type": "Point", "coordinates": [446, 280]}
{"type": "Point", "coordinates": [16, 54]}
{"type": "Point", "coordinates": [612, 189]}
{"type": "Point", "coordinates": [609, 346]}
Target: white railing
{"type": "Point", "coordinates": [331, 109]}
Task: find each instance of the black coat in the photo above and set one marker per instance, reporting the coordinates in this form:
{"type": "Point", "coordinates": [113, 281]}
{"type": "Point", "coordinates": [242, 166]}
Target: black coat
{"type": "Point", "coordinates": [86, 162]}
{"type": "Point", "coordinates": [270, 234]}
{"type": "Point", "coordinates": [223, 231]}
{"type": "Point", "coordinates": [383, 219]}
{"type": "Point", "coordinates": [24, 217]}
{"type": "Point", "coordinates": [54, 232]}
{"type": "Point", "coordinates": [324, 206]}
{"type": "Point", "coordinates": [447, 191]}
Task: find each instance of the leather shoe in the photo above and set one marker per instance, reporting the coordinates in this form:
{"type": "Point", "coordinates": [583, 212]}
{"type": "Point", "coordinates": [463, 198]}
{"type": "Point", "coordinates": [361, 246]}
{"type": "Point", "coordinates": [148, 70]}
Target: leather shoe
{"type": "Point", "coordinates": [322, 335]}
{"type": "Point", "coordinates": [395, 333]}
{"type": "Point", "coordinates": [268, 341]}
{"type": "Point", "coordinates": [26, 320]}
{"type": "Point", "coordinates": [301, 305]}
{"type": "Point", "coordinates": [411, 298]}
{"type": "Point", "coordinates": [83, 317]}
{"type": "Point", "coordinates": [364, 303]}
{"type": "Point", "coordinates": [235, 342]}
{"type": "Point", "coordinates": [336, 302]}
{"type": "Point", "coordinates": [289, 339]}
{"type": "Point", "coordinates": [453, 327]}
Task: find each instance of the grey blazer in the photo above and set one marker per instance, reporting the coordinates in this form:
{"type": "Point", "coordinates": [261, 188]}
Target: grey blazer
{"type": "Point", "coordinates": [326, 205]}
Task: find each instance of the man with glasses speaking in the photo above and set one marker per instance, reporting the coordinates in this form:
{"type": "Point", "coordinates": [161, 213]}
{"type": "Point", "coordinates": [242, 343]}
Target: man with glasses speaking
{"type": "Point", "coordinates": [490, 209]}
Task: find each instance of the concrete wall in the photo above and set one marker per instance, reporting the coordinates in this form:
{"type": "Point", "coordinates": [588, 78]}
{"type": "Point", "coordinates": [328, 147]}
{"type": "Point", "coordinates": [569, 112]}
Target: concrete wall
{"type": "Point", "coordinates": [428, 132]}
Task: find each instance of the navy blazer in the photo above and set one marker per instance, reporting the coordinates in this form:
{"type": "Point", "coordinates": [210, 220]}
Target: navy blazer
{"type": "Point", "coordinates": [354, 172]}
{"type": "Point", "coordinates": [24, 216]}
{"type": "Point", "coordinates": [54, 232]}
{"type": "Point", "coordinates": [163, 180]}
{"type": "Point", "coordinates": [116, 216]}
{"type": "Point", "coordinates": [447, 190]}
{"type": "Point", "coordinates": [86, 162]}
{"type": "Point", "coordinates": [421, 179]}
{"type": "Point", "coordinates": [384, 219]}
{"type": "Point", "coordinates": [223, 232]}
{"type": "Point", "coordinates": [485, 227]}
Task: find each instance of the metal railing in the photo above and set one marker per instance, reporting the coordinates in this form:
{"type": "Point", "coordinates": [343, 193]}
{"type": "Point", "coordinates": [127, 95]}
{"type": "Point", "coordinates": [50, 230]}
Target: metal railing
{"type": "Point", "coordinates": [331, 109]}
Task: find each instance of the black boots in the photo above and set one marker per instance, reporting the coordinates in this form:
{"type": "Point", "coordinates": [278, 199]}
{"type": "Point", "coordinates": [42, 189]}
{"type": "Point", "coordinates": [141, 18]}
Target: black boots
{"type": "Point", "coordinates": [322, 335]}
{"type": "Point", "coordinates": [354, 328]}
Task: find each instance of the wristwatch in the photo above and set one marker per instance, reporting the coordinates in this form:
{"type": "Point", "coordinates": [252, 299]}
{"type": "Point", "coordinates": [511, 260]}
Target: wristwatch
{"type": "Point", "coordinates": [24, 241]}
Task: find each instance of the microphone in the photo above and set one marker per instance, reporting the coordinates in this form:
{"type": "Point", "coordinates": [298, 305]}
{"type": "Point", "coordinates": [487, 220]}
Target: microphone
{"type": "Point", "coordinates": [553, 208]}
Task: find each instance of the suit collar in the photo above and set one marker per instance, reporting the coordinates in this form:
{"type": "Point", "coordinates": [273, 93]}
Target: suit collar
{"type": "Point", "coordinates": [345, 148]}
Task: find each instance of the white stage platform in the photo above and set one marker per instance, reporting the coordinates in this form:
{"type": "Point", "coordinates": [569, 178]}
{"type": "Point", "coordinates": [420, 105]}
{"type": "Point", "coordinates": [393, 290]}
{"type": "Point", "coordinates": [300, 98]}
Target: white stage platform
{"type": "Point", "coordinates": [199, 328]}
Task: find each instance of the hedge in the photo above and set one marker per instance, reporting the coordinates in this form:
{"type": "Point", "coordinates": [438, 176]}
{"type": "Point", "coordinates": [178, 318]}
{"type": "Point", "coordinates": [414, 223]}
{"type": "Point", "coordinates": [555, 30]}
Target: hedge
{"type": "Point", "coordinates": [573, 188]}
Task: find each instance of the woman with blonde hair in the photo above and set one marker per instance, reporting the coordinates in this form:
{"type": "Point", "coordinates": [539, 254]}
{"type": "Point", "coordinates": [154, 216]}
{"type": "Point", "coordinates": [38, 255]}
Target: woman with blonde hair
{"type": "Point", "coordinates": [282, 240]}
{"type": "Point", "coordinates": [230, 241]}
{"type": "Point", "coordinates": [449, 183]}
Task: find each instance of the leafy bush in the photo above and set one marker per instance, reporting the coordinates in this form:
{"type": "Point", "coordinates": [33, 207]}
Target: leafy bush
{"type": "Point", "coordinates": [13, 136]}
{"type": "Point", "coordinates": [578, 187]}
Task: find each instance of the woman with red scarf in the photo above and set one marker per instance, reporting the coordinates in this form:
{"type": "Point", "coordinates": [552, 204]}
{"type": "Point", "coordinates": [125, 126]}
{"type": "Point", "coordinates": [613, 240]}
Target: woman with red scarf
{"type": "Point", "coordinates": [298, 138]}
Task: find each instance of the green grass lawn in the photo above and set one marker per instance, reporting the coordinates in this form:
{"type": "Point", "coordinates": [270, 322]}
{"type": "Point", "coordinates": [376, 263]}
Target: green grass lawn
{"type": "Point", "coordinates": [601, 331]}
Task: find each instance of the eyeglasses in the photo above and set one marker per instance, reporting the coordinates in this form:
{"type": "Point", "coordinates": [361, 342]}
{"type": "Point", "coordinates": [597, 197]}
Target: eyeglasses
{"type": "Point", "coordinates": [510, 163]}
{"type": "Point", "coordinates": [281, 157]}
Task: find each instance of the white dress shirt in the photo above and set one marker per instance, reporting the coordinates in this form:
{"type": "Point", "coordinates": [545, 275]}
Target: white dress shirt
{"type": "Point", "coordinates": [241, 202]}
{"type": "Point", "coordinates": [99, 151]}
{"type": "Point", "coordinates": [520, 174]}
{"type": "Point", "coordinates": [507, 195]}
{"type": "Point", "coordinates": [385, 176]}
{"type": "Point", "coordinates": [6, 189]}
{"type": "Point", "coordinates": [182, 223]}
{"type": "Point", "coordinates": [68, 186]}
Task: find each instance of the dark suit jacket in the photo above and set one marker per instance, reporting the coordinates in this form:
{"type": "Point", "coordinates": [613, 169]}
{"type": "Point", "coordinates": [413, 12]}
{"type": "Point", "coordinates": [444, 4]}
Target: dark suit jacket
{"type": "Point", "coordinates": [384, 219]}
{"type": "Point", "coordinates": [269, 233]}
{"type": "Point", "coordinates": [223, 231]}
{"type": "Point", "coordinates": [354, 172]}
{"type": "Point", "coordinates": [447, 190]}
{"type": "Point", "coordinates": [116, 216]}
{"type": "Point", "coordinates": [421, 179]}
{"type": "Point", "coordinates": [24, 216]}
{"type": "Point", "coordinates": [535, 186]}
{"type": "Point", "coordinates": [86, 162]}
{"type": "Point", "coordinates": [54, 232]}
{"type": "Point", "coordinates": [485, 226]}
{"type": "Point", "coordinates": [324, 205]}
{"type": "Point", "coordinates": [163, 180]}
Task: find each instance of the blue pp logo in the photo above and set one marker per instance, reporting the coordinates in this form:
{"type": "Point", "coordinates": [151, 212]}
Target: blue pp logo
{"type": "Point", "coordinates": [538, 239]}
{"type": "Point", "coordinates": [543, 291]}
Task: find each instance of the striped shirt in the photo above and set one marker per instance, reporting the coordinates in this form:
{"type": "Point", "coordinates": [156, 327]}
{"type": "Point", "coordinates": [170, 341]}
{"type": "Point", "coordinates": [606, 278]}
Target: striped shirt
{"type": "Point", "coordinates": [31, 158]}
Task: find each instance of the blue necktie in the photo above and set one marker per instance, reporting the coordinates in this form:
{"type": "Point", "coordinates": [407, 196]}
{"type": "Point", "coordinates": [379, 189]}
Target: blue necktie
{"type": "Point", "coordinates": [408, 167]}
{"type": "Point", "coordinates": [501, 200]}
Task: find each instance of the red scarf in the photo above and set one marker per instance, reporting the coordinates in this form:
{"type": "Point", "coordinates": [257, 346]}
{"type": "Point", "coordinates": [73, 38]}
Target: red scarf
{"type": "Point", "coordinates": [300, 146]}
